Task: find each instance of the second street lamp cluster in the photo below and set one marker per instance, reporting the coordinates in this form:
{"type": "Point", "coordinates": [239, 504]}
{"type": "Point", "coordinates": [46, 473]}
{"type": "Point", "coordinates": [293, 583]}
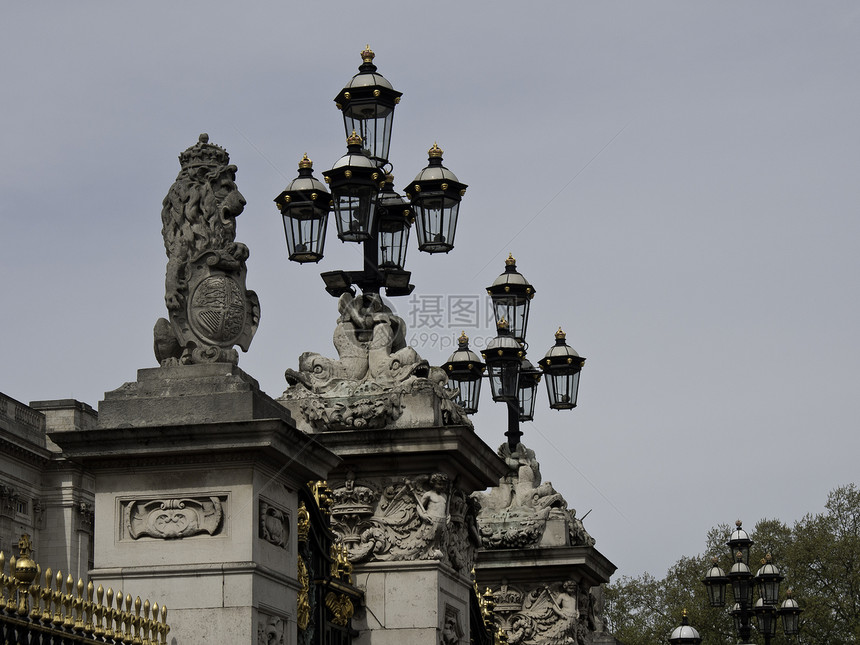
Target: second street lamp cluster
{"type": "Point", "coordinates": [513, 378]}
{"type": "Point", "coordinates": [366, 208]}
{"type": "Point", "coordinates": [743, 583]}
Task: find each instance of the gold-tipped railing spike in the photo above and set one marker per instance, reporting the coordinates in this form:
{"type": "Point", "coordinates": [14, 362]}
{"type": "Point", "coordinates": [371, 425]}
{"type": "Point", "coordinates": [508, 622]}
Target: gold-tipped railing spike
{"type": "Point", "coordinates": [57, 599]}
{"type": "Point", "coordinates": [99, 612]}
{"type": "Point", "coordinates": [109, 613]}
{"type": "Point", "coordinates": [68, 621]}
{"type": "Point", "coordinates": [163, 628]}
{"type": "Point", "coordinates": [89, 608]}
{"type": "Point", "coordinates": [78, 605]}
{"type": "Point", "coordinates": [47, 596]}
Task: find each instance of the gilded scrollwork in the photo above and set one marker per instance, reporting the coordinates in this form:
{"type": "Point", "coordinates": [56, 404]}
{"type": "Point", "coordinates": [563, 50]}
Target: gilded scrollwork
{"type": "Point", "coordinates": [303, 602]}
{"type": "Point", "coordinates": [174, 518]}
{"type": "Point", "coordinates": [340, 606]}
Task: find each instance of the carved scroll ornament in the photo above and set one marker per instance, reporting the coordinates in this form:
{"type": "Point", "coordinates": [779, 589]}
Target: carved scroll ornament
{"type": "Point", "coordinates": [169, 519]}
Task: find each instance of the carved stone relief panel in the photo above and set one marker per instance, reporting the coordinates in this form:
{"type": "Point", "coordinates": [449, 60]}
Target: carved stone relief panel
{"type": "Point", "coordinates": [271, 630]}
{"type": "Point", "coordinates": [554, 613]}
{"type": "Point", "coordinates": [452, 630]}
{"type": "Point", "coordinates": [425, 518]}
{"type": "Point", "coordinates": [168, 518]}
{"type": "Point", "coordinates": [274, 524]}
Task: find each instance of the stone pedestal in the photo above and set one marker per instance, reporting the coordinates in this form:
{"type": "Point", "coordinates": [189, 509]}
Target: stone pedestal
{"type": "Point", "coordinates": [401, 505]}
{"type": "Point", "coordinates": [196, 472]}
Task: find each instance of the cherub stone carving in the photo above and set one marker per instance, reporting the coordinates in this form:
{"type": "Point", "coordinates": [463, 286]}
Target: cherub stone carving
{"type": "Point", "coordinates": [209, 307]}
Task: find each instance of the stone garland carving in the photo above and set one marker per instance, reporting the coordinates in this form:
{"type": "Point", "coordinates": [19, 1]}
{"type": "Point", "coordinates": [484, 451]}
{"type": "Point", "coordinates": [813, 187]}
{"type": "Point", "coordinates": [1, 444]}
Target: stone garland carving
{"type": "Point", "coordinates": [515, 513]}
{"type": "Point", "coordinates": [375, 368]}
{"type": "Point", "coordinates": [274, 525]}
{"type": "Point", "coordinates": [271, 630]}
{"type": "Point", "coordinates": [426, 519]}
{"type": "Point", "coordinates": [169, 519]}
{"type": "Point", "coordinates": [558, 613]}
{"type": "Point", "coordinates": [210, 309]}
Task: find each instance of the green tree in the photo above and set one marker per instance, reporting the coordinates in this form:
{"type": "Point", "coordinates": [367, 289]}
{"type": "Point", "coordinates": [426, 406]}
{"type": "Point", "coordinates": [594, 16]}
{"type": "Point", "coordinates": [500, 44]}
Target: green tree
{"type": "Point", "coordinates": [819, 556]}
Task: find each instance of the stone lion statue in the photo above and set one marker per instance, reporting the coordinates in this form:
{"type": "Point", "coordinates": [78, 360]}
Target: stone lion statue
{"type": "Point", "coordinates": [210, 309]}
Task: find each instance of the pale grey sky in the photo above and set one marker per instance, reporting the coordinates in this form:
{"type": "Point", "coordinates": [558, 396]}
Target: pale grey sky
{"type": "Point", "coordinates": [679, 180]}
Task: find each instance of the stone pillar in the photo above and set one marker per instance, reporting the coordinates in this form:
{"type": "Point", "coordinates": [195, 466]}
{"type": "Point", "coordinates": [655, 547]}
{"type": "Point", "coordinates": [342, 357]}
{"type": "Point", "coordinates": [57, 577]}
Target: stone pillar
{"type": "Point", "coordinates": [538, 561]}
{"type": "Point", "coordinates": [401, 505]}
{"type": "Point", "coordinates": [196, 472]}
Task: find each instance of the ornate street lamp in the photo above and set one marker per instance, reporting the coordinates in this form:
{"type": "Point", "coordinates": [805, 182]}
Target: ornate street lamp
{"type": "Point", "coordinates": [465, 369]}
{"type": "Point", "coordinates": [511, 294]}
{"type": "Point", "coordinates": [684, 634]}
{"type": "Point", "coordinates": [304, 205]}
{"type": "Point", "coordinates": [513, 378]}
{"type": "Point", "coordinates": [766, 580]}
{"type": "Point", "coordinates": [367, 103]}
{"type": "Point", "coordinates": [435, 194]}
{"type": "Point", "coordinates": [562, 367]}
{"type": "Point", "coordinates": [366, 207]}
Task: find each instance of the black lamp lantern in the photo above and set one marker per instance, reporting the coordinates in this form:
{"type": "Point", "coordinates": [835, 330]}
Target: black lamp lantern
{"type": "Point", "coordinates": [562, 367]}
{"type": "Point", "coordinates": [684, 634]}
{"type": "Point", "coordinates": [715, 581]}
{"type": "Point", "coordinates": [790, 612]}
{"type": "Point", "coordinates": [767, 579]}
{"type": "Point", "coordinates": [435, 194]}
{"type": "Point", "coordinates": [304, 205]}
{"type": "Point", "coordinates": [465, 369]}
{"type": "Point", "coordinates": [740, 540]}
{"type": "Point", "coordinates": [367, 103]}
{"type": "Point", "coordinates": [511, 294]}
{"type": "Point", "coordinates": [355, 181]}
{"type": "Point", "coordinates": [527, 389]}
{"type": "Point", "coordinates": [395, 218]}
{"type": "Point", "coordinates": [503, 356]}
{"type": "Point", "coordinates": [742, 582]}
{"type": "Point", "coordinates": [765, 619]}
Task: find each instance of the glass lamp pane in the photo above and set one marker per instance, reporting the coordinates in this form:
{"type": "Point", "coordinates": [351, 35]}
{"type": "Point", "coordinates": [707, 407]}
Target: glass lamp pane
{"type": "Point", "coordinates": [527, 403]}
{"type": "Point", "coordinates": [437, 222]}
{"type": "Point", "coordinates": [354, 211]}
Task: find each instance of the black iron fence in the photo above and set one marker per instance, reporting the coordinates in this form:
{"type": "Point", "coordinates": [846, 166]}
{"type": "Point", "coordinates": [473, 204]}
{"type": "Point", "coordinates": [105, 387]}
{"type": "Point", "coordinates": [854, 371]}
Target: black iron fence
{"type": "Point", "coordinates": [61, 612]}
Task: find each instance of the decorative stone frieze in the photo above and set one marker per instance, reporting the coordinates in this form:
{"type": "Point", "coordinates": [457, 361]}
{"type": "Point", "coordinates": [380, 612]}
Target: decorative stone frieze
{"type": "Point", "coordinates": [274, 525]}
{"type": "Point", "coordinates": [173, 518]}
{"type": "Point", "coordinates": [402, 519]}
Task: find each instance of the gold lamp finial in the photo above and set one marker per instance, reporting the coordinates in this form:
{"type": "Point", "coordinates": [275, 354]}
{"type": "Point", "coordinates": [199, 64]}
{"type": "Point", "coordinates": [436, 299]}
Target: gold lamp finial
{"type": "Point", "coordinates": [305, 162]}
{"type": "Point", "coordinates": [463, 339]}
{"type": "Point", "coordinates": [511, 261]}
{"type": "Point", "coordinates": [353, 139]}
{"type": "Point", "coordinates": [560, 335]}
{"type": "Point", "coordinates": [503, 324]}
{"type": "Point", "coordinates": [435, 151]}
{"type": "Point", "coordinates": [367, 54]}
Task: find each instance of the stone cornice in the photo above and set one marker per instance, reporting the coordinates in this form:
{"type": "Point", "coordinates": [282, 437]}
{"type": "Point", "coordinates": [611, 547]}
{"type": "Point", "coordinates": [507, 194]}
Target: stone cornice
{"type": "Point", "coordinates": [521, 565]}
{"type": "Point", "coordinates": [456, 450]}
{"type": "Point", "coordinates": [273, 440]}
